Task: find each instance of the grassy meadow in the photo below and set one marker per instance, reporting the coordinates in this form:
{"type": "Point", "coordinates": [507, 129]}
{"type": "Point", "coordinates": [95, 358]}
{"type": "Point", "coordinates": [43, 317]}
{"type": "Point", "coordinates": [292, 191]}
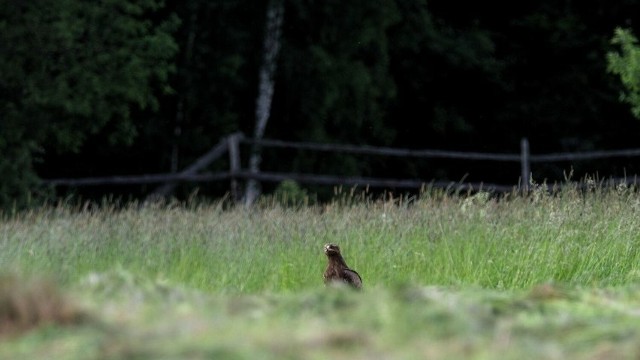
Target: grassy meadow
{"type": "Point", "coordinates": [445, 276]}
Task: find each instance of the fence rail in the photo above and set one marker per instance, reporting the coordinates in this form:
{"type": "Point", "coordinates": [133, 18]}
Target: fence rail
{"type": "Point", "coordinates": [591, 155]}
{"type": "Point", "coordinates": [231, 145]}
{"type": "Point", "coordinates": [139, 179]}
{"type": "Point", "coordinates": [371, 150]}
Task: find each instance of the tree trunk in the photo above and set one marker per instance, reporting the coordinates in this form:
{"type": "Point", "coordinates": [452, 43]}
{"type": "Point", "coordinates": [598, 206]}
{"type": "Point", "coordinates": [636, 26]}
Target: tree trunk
{"type": "Point", "coordinates": [271, 47]}
{"type": "Point", "coordinates": [181, 109]}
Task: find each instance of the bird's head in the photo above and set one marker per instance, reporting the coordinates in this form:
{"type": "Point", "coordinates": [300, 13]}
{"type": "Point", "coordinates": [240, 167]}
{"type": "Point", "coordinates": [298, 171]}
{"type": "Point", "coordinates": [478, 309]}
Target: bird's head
{"type": "Point", "coordinates": [331, 249]}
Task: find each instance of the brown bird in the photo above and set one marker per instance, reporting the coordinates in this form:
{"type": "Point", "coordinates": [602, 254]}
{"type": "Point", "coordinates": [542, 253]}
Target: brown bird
{"type": "Point", "coordinates": [337, 270]}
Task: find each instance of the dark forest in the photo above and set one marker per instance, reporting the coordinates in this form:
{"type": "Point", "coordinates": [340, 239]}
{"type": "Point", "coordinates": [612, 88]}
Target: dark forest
{"type": "Point", "coordinates": [125, 87]}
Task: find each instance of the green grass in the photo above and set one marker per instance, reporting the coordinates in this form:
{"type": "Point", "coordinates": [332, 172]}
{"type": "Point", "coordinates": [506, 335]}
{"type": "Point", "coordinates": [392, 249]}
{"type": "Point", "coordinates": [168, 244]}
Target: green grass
{"type": "Point", "coordinates": [437, 240]}
{"type": "Point", "coordinates": [445, 276]}
{"type": "Point", "coordinates": [134, 318]}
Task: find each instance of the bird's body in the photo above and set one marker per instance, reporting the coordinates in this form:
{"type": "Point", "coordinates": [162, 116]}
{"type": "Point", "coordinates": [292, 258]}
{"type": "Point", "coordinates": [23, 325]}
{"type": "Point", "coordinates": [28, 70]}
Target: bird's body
{"type": "Point", "coordinates": [337, 270]}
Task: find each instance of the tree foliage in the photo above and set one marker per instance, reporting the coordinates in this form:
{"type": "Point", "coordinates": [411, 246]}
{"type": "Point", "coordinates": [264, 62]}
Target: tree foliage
{"type": "Point", "coordinates": [626, 64]}
{"type": "Point", "coordinates": [334, 84]}
{"type": "Point", "coordinates": [90, 88]}
{"type": "Point", "coordinates": [69, 69]}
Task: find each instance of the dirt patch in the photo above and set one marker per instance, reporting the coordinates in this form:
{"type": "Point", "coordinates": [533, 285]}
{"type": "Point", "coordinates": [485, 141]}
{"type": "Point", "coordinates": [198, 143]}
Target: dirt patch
{"type": "Point", "coordinates": [27, 304]}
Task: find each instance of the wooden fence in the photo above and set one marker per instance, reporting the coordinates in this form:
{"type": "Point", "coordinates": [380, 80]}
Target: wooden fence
{"type": "Point", "coordinates": [230, 145]}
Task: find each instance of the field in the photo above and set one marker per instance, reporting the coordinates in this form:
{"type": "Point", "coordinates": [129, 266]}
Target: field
{"type": "Point", "coordinates": [445, 276]}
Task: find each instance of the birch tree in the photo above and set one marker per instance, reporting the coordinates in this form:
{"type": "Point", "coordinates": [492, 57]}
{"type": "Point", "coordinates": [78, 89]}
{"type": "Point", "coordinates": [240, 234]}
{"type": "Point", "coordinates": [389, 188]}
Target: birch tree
{"type": "Point", "coordinates": [271, 47]}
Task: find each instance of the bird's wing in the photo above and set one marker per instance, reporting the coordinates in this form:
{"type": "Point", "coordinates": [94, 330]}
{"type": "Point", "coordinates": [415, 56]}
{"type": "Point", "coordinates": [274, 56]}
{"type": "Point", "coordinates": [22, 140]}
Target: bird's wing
{"type": "Point", "coordinates": [352, 278]}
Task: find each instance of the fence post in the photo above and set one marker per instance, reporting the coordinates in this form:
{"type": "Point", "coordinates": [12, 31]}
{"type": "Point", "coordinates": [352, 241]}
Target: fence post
{"type": "Point", "coordinates": [525, 166]}
{"type": "Point", "coordinates": [234, 163]}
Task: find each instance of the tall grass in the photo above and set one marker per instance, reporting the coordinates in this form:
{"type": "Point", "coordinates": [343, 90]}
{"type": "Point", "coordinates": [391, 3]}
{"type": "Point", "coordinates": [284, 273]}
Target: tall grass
{"type": "Point", "coordinates": [573, 238]}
